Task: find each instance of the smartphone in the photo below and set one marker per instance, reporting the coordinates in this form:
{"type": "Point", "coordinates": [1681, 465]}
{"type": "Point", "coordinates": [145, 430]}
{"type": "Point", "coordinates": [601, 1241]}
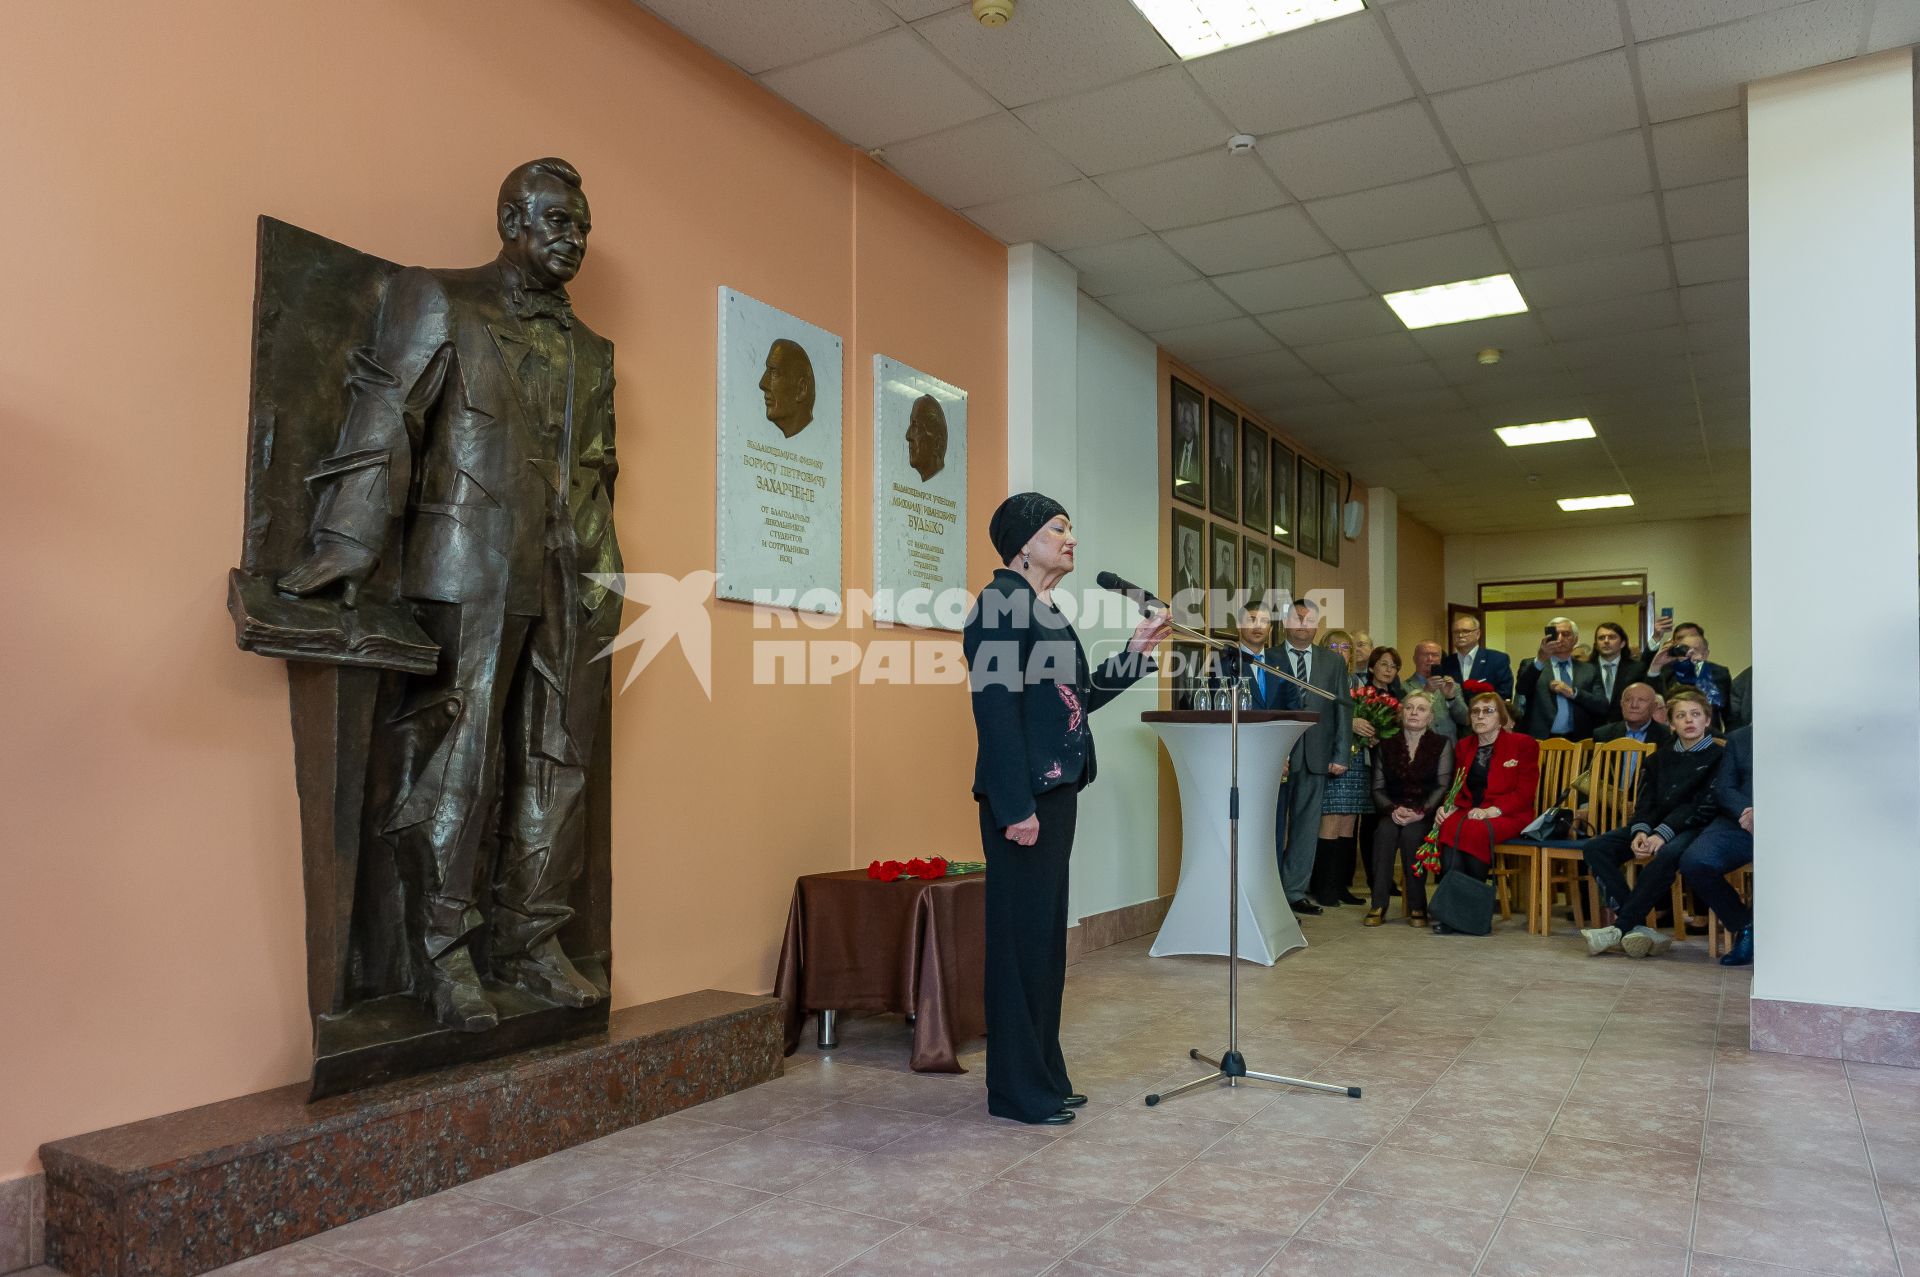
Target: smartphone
{"type": "Point", "coordinates": [1666, 614]}
{"type": "Point", "coordinates": [1552, 631]}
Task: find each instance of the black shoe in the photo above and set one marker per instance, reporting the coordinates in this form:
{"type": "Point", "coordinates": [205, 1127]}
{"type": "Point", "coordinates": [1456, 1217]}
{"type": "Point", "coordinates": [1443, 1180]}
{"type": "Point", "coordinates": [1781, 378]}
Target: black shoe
{"type": "Point", "coordinates": [1306, 908]}
{"type": "Point", "coordinates": [1326, 903]}
{"type": "Point", "coordinates": [1396, 893]}
{"type": "Point", "coordinates": [1073, 1101]}
{"type": "Point", "coordinates": [1348, 898]}
{"type": "Point", "coordinates": [1441, 929]}
{"type": "Point", "coordinates": [1058, 1119]}
{"type": "Point", "coordinates": [1741, 955]}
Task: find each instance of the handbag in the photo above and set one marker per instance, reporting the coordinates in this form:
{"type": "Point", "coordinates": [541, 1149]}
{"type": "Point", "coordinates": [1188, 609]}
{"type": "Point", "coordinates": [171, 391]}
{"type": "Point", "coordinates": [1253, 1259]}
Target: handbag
{"type": "Point", "coordinates": [1464, 903]}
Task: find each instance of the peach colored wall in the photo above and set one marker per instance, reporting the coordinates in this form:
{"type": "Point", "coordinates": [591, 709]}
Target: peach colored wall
{"type": "Point", "coordinates": [1421, 587]}
{"type": "Point", "coordinates": [150, 909]}
{"type": "Point", "coordinates": [1309, 574]}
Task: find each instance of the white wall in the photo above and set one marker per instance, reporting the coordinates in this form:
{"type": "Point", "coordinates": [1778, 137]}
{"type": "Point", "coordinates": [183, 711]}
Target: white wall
{"type": "Point", "coordinates": [1701, 568]}
{"type": "Point", "coordinates": [1831, 247]}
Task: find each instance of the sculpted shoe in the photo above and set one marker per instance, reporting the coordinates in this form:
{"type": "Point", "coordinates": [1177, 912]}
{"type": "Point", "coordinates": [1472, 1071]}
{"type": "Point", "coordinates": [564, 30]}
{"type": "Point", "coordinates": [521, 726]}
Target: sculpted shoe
{"type": "Point", "coordinates": [1073, 1101]}
{"type": "Point", "coordinates": [545, 970]}
{"type": "Point", "coordinates": [453, 990]}
{"type": "Point", "coordinates": [1741, 955]}
{"type": "Point", "coordinates": [1600, 939]}
{"type": "Point", "coordinates": [1645, 942]}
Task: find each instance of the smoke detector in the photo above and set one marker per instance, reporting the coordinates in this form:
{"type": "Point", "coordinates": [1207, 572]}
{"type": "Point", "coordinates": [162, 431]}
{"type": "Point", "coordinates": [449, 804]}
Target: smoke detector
{"type": "Point", "coordinates": [1240, 144]}
{"type": "Point", "coordinates": [993, 13]}
{"type": "Point", "coordinates": [1490, 356]}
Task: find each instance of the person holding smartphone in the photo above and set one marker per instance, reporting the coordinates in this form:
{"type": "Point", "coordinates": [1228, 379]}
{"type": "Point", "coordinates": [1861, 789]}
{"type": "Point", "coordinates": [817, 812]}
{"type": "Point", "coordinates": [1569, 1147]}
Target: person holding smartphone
{"type": "Point", "coordinates": [1560, 696]}
{"type": "Point", "coordinates": [1684, 665]}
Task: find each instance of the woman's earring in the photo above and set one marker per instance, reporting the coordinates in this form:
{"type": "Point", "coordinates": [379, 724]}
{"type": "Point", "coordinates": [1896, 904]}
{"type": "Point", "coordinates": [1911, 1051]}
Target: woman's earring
{"type": "Point", "coordinates": [1025, 562]}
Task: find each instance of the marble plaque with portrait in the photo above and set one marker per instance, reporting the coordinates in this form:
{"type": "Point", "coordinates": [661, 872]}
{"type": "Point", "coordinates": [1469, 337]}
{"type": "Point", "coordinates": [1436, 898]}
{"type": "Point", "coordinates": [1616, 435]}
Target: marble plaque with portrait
{"type": "Point", "coordinates": [919, 494]}
{"type": "Point", "coordinates": [778, 458]}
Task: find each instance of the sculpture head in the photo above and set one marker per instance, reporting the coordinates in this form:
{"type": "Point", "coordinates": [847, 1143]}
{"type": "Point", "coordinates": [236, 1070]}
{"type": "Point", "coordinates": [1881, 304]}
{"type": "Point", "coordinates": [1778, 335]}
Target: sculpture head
{"type": "Point", "coordinates": [787, 386]}
{"type": "Point", "coordinates": [927, 437]}
{"type": "Point", "coordinates": [544, 222]}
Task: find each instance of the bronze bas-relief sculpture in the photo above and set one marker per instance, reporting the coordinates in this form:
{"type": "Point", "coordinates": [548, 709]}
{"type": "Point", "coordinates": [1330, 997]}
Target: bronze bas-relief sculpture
{"type": "Point", "coordinates": [787, 386]}
{"type": "Point", "coordinates": [927, 437]}
{"type": "Point", "coordinates": [425, 574]}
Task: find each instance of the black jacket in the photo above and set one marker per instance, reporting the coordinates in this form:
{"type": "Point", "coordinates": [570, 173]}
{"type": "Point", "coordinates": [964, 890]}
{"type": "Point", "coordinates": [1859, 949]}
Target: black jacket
{"type": "Point", "coordinates": [1587, 705]}
{"type": "Point", "coordinates": [1733, 783]}
{"type": "Point", "coordinates": [1657, 733]}
{"type": "Point", "coordinates": [1631, 671]}
{"type": "Point", "coordinates": [1676, 790]}
{"type": "Point", "coordinates": [1032, 692]}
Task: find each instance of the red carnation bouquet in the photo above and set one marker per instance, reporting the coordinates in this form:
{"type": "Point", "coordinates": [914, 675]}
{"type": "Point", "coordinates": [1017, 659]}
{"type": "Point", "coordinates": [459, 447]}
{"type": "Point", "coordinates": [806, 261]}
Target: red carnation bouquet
{"type": "Point", "coordinates": [1378, 708]}
{"type": "Point", "coordinates": [927, 870]}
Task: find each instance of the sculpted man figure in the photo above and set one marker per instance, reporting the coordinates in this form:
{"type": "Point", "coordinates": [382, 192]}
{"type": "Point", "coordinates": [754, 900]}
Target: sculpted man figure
{"type": "Point", "coordinates": [927, 437]}
{"type": "Point", "coordinates": [475, 469]}
{"type": "Point", "coordinates": [787, 386]}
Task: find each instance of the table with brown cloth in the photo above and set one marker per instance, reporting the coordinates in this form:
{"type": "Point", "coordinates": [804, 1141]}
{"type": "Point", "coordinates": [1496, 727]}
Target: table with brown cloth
{"type": "Point", "coordinates": [910, 947]}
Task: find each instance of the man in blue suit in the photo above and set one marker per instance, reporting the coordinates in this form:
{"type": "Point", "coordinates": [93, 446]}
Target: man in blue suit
{"type": "Point", "coordinates": [1468, 660]}
{"type": "Point", "coordinates": [1256, 628]}
{"type": "Point", "coordinates": [1725, 845]}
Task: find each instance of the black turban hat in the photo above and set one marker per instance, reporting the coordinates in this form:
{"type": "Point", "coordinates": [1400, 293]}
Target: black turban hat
{"type": "Point", "coordinates": [1018, 518]}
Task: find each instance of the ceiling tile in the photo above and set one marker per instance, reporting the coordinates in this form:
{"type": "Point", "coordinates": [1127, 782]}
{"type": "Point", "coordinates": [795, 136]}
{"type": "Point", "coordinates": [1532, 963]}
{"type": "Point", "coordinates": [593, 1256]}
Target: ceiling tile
{"type": "Point", "coordinates": [1716, 208]}
{"type": "Point", "coordinates": [1194, 189]}
{"type": "Point", "coordinates": [1324, 424]}
{"type": "Point", "coordinates": [1542, 396]}
{"type": "Point", "coordinates": [1707, 261]}
{"type": "Point", "coordinates": [1216, 340]}
{"type": "Point", "coordinates": [1453, 43]}
{"type": "Point", "coordinates": [1532, 369]}
{"type": "Point", "coordinates": [1383, 351]}
{"type": "Point", "coordinates": [1308, 283]}
{"type": "Point", "coordinates": [1719, 334]}
{"type": "Point", "coordinates": [743, 36]}
{"type": "Point", "coordinates": [1261, 370]}
{"type": "Point", "coordinates": [1267, 238]}
{"type": "Point", "coordinates": [1422, 411]}
{"type": "Point", "coordinates": [987, 159]}
{"type": "Point", "coordinates": [1317, 73]}
{"type": "Point", "coordinates": [1368, 384]}
{"type": "Point", "coordinates": [1150, 117]}
{"type": "Point", "coordinates": [1468, 254]}
{"type": "Point", "coordinates": [914, 10]}
{"type": "Point", "coordinates": [1056, 48]}
{"type": "Point", "coordinates": [1655, 18]}
{"type": "Point", "coordinates": [1127, 264]}
{"type": "Point", "coordinates": [1702, 148]}
{"type": "Point", "coordinates": [1574, 283]}
{"type": "Point", "coordinates": [1704, 71]}
{"type": "Point", "coordinates": [1063, 218]}
{"type": "Point", "coordinates": [1294, 394]}
{"type": "Point", "coordinates": [1652, 344]}
{"type": "Point", "coordinates": [1171, 306]}
{"type": "Point", "coordinates": [1702, 303]}
{"type": "Point", "coordinates": [1511, 334]}
{"type": "Point", "coordinates": [1358, 152]}
{"type": "Point", "coordinates": [1602, 171]}
{"type": "Point", "coordinates": [1542, 110]}
{"type": "Point", "coordinates": [881, 91]}
{"type": "Point", "coordinates": [1615, 315]}
{"type": "Point", "coordinates": [1390, 214]}
{"type": "Point", "coordinates": [1583, 232]}
{"type": "Point", "coordinates": [1334, 321]}
{"type": "Point", "coordinates": [1895, 23]}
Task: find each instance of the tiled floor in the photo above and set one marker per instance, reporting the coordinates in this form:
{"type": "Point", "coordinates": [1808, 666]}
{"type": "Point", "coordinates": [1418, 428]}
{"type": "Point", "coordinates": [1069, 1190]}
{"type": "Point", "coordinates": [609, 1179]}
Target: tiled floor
{"type": "Point", "coordinates": [1528, 1110]}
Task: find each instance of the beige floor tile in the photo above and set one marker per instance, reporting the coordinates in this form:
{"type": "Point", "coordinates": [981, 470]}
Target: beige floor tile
{"type": "Point", "coordinates": [422, 1231]}
{"type": "Point", "coordinates": [926, 1250]}
{"type": "Point", "coordinates": [1801, 1237]}
{"type": "Point", "coordinates": [1153, 1243]}
{"type": "Point", "coordinates": [1596, 1207]}
{"type": "Point", "coordinates": [1235, 1195]}
{"type": "Point", "coordinates": [785, 1236]}
{"type": "Point", "coordinates": [1525, 1248]}
{"type": "Point", "coordinates": [1449, 1181]}
{"type": "Point", "coordinates": [543, 1248]}
{"type": "Point", "coordinates": [1290, 1156]}
{"type": "Point", "coordinates": [887, 1188]}
{"type": "Point", "coordinates": [1036, 1217]}
{"type": "Point", "coordinates": [1442, 1237]}
{"type": "Point", "coordinates": [1097, 1170]}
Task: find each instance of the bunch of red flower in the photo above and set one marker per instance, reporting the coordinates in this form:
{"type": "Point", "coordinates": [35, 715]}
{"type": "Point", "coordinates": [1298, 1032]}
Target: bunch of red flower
{"type": "Point", "coordinates": [1378, 708]}
{"type": "Point", "coordinates": [891, 870]}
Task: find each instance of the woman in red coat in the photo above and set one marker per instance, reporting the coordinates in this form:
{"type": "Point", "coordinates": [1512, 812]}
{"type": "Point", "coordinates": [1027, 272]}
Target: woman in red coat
{"type": "Point", "coordinates": [1495, 802]}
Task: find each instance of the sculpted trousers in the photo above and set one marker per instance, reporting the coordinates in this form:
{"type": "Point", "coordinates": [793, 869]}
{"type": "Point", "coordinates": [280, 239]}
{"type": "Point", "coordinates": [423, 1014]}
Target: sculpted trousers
{"type": "Point", "coordinates": [1027, 960]}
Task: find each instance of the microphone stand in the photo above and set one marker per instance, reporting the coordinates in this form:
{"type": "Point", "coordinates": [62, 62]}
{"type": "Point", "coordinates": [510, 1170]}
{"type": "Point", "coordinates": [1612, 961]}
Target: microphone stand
{"type": "Point", "coordinates": [1232, 1066]}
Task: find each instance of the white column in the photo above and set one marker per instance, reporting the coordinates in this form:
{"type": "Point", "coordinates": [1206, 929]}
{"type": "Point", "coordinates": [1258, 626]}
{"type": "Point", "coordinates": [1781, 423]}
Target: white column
{"type": "Point", "coordinates": [1836, 538]}
{"type": "Point", "coordinates": [1043, 314]}
{"type": "Point", "coordinates": [1383, 570]}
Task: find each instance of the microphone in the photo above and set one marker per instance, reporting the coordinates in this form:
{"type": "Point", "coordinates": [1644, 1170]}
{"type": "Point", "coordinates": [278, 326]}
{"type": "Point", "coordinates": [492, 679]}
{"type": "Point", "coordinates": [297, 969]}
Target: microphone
{"type": "Point", "coordinates": [1145, 600]}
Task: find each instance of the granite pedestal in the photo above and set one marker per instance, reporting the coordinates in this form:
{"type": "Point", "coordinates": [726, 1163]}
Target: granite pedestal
{"type": "Point", "coordinates": [188, 1192]}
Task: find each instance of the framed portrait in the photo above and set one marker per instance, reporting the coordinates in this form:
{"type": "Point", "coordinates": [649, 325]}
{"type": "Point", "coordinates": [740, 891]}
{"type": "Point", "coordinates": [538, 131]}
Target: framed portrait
{"type": "Point", "coordinates": [1280, 484]}
{"type": "Point", "coordinates": [1306, 509]}
{"type": "Point", "coordinates": [1330, 519]}
{"type": "Point", "coordinates": [1256, 511]}
{"type": "Point", "coordinates": [1186, 672]}
{"type": "Point", "coordinates": [1254, 571]}
{"type": "Point", "coordinates": [1223, 575]}
{"type": "Point", "coordinates": [1188, 592]}
{"type": "Point", "coordinates": [1281, 579]}
{"type": "Point", "coordinates": [1189, 449]}
{"type": "Point", "coordinates": [1223, 465]}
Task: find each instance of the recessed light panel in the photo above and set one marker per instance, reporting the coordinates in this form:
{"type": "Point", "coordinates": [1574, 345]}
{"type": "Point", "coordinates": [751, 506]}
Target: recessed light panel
{"type": "Point", "coordinates": [1195, 28]}
{"type": "Point", "coordinates": [1595, 503]}
{"type": "Point", "coordinates": [1458, 302]}
{"type": "Point", "coordinates": [1545, 432]}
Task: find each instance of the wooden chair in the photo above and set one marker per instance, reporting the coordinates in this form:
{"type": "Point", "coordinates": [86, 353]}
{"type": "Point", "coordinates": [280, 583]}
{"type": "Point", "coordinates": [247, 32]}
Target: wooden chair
{"type": "Point", "coordinates": [1614, 785]}
{"type": "Point", "coordinates": [1560, 763]}
{"type": "Point", "coordinates": [1720, 939]}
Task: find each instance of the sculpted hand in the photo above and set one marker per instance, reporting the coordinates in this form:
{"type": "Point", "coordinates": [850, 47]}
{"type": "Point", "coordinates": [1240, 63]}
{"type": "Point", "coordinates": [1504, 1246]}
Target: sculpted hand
{"type": "Point", "coordinates": [1026, 833]}
{"type": "Point", "coordinates": [331, 561]}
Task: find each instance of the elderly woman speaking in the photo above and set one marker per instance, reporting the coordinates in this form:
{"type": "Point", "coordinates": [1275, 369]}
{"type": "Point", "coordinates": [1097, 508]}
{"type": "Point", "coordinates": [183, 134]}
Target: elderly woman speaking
{"type": "Point", "coordinates": [1032, 692]}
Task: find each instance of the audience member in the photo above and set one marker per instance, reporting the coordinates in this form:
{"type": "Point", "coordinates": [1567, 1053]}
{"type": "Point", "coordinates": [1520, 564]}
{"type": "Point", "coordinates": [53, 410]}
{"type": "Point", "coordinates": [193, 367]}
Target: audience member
{"type": "Point", "coordinates": [1362, 650]}
{"type": "Point", "coordinates": [1411, 774]}
{"type": "Point", "coordinates": [1468, 660]}
{"type": "Point", "coordinates": [1725, 845]}
{"type": "Point", "coordinates": [1496, 800]}
{"type": "Point", "coordinates": [1636, 722]}
{"type": "Point", "coordinates": [1675, 803]}
{"type": "Point", "coordinates": [1569, 702]}
{"type": "Point", "coordinates": [1349, 795]}
{"type": "Point", "coordinates": [1256, 627]}
{"type": "Point", "coordinates": [1340, 643]}
{"type": "Point", "coordinates": [1684, 664]}
{"type": "Point", "coordinates": [1613, 658]}
{"type": "Point", "coordinates": [1450, 707]}
{"type": "Point", "coordinates": [1740, 713]}
{"type": "Point", "coordinates": [1320, 753]}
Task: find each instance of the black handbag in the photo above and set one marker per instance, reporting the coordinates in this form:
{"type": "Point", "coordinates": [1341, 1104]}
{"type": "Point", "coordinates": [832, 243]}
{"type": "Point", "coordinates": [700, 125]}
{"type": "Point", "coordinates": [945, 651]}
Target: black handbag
{"type": "Point", "coordinates": [1463, 903]}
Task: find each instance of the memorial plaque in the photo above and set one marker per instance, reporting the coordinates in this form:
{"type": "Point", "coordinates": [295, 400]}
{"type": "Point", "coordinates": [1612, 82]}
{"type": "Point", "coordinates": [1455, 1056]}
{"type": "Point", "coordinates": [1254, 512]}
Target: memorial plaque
{"type": "Point", "coordinates": [777, 466]}
{"type": "Point", "coordinates": [919, 494]}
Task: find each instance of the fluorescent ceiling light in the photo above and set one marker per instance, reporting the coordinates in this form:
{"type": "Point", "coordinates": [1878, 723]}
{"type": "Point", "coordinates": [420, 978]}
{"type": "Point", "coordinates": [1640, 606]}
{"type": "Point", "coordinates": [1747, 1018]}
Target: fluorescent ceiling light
{"type": "Point", "coordinates": [1545, 432]}
{"type": "Point", "coordinates": [1459, 302]}
{"type": "Point", "coordinates": [1595, 503]}
{"type": "Point", "coordinates": [1195, 28]}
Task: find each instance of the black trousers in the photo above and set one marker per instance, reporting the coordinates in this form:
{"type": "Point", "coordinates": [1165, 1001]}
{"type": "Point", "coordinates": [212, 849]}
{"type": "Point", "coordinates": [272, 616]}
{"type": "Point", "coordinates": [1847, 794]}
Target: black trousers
{"type": "Point", "coordinates": [1391, 841]}
{"type": "Point", "coordinates": [1607, 856]}
{"type": "Point", "coordinates": [1027, 960]}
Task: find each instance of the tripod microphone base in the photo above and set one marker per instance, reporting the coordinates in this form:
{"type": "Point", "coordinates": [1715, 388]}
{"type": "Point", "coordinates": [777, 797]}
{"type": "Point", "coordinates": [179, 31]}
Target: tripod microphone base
{"type": "Point", "coordinates": [1231, 1067]}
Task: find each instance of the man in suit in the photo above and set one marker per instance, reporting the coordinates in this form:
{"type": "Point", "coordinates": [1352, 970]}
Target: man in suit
{"type": "Point", "coordinates": [1255, 627]}
{"type": "Point", "coordinates": [1740, 714]}
{"type": "Point", "coordinates": [1685, 664]}
{"type": "Point", "coordinates": [1450, 718]}
{"type": "Point", "coordinates": [474, 471]}
{"type": "Point", "coordinates": [1320, 752]}
{"type": "Point", "coordinates": [1468, 660]}
{"type": "Point", "coordinates": [1725, 845]}
{"type": "Point", "coordinates": [1637, 701]}
{"type": "Point", "coordinates": [1615, 664]}
{"type": "Point", "coordinates": [1562, 696]}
